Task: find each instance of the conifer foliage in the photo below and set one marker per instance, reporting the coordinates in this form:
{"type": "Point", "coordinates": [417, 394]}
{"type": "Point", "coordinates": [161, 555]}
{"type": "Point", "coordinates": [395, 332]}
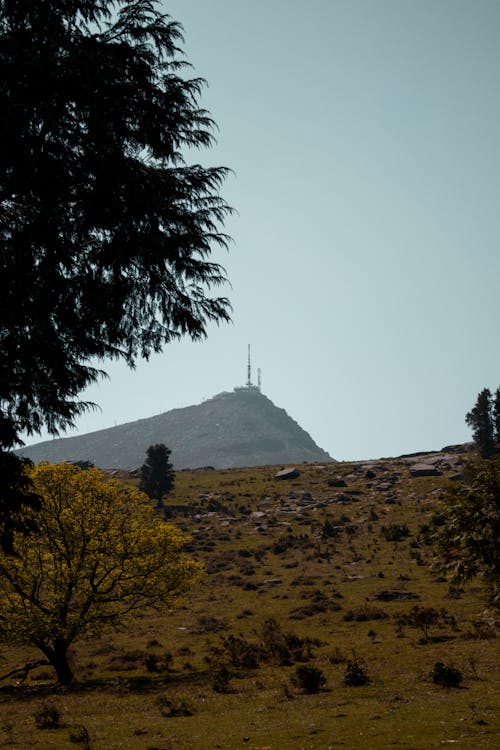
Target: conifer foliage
{"type": "Point", "coordinates": [157, 473]}
{"type": "Point", "coordinates": [484, 419]}
{"type": "Point", "coordinates": [106, 230]}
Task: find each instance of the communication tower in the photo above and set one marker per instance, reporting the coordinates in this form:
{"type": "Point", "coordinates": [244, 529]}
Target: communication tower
{"type": "Point", "coordinates": [249, 370]}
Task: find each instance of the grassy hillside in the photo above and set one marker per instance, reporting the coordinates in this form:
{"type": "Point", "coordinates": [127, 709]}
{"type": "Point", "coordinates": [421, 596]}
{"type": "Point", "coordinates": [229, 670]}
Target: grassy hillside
{"type": "Point", "coordinates": [311, 572]}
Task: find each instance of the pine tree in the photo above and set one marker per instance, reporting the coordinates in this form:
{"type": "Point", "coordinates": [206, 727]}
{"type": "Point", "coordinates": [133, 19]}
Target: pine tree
{"type": "Point", "coordinates": [496, 416]}
{"type": "Point", "coordinates": [106, 231]}
{"type": "Point", "coordinates": [157, 473]}
{"type": "Point", "coordinates": [480, 419]}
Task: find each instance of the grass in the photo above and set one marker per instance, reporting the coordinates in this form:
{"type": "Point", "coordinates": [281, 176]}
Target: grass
{"type": "Point", "coordinates": [341, 584]}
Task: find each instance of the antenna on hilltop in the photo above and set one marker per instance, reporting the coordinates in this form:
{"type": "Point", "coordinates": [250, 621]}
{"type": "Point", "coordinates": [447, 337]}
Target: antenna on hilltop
{"type": "Point", "coordinates": [249, 370]}
{"type": "Point", "coordinates": [259, 383]}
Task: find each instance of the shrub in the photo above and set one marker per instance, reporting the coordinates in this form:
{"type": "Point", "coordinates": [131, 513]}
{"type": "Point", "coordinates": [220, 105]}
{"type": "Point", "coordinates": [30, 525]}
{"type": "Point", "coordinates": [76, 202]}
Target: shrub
{"type": "Point", "coordinates": [355, 673]}
{"type": "Point", "coordinates": [282, 648]}
{"type": "Point", "coordinates": [220, 679]}
{"type": "Point", "coordinates": [364, 614]}
{"type": "Point", "coordinates": [79, 735]}
{"type": "Point", "coordinates": [329, 530]}
{"type": "Point", "coordinates": [48, 716]}
{"type": "Point", "coordinates": [309, 679]}
{"type": "Point", "coordinates": [446, 676]}
{"type": "Point", "coordinates": [155, 663]}
{"type": "Point", "coordinates": [395, 532]}
{"type": "Point", "coordinates": [337, 657]}
{"type": "Point", "coordinates": [290, 541]}
{"type": "Point", "coordinates": [423, 618]}
{"type": "Point", "coordinates": [209, 624]}
{"type": "Point", "coordinates": [241, 652]}
{"type": "Point", "coordinates": [170, 708]}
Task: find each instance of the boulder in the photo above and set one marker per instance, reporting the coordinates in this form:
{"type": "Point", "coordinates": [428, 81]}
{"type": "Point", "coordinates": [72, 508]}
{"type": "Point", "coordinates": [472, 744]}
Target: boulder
{"type": "Point", "coordinates": [424, 470]}
{"type": "Point", "coordinates": [336, 482]}
{"type": "Point", "coordinates": [287, 474]}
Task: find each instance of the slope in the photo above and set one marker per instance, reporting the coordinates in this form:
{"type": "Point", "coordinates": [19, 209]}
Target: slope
{"type": "Point", "coordinates": [232, 429]}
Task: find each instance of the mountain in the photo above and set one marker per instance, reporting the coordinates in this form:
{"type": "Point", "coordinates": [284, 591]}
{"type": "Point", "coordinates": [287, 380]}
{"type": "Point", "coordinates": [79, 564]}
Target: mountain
{"type": "Point", "coordinates": [232, 429]}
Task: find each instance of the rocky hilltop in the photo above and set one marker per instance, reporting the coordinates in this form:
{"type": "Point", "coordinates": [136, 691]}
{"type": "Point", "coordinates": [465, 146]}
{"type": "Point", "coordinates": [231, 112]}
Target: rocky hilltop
{"type": "Point", "coordinates": [232, 429]}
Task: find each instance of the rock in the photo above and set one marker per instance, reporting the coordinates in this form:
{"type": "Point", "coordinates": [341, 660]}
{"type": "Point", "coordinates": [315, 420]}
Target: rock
{"type": "Point", "coordinates": [336, 482]}
{"type": "Point", "coordinates": [456, 477]}
{"type": "Point", "coordinates": [344, 497]}
{"type": "Point", "coordinates": [369, 474]}
{"type": "Point", "coordinates": [424, 470]}
{"type": "Point", "coordinates": [287, 474]}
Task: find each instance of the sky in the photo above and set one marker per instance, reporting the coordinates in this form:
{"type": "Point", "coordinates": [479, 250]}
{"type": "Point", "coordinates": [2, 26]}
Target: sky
{"type": "Point", "coordinates": [364, 271]}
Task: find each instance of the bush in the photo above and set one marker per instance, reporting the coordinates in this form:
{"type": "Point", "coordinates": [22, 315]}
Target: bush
{"type": "Point", "coordinates": [170, 708]}
{"type": "Point", "coordinates": [79, 735]}
{"type": "Point", "coordinates": [395, 532]}
{"type": "Point", "coordinates": [48, 716]}
{"type": "Point", "coordinates": [241, 652]}
{"type": "Point", "coordinates": [309, 679]}
{"type": "Point", "coordinates": [155, 663]}
{"type": "Point", "coordinates": [355, 673]}
{"type": "Point", "coordinates": [220, 679]}
{"type": "Point", "coordinates": [282, 648]}
{"type": "Point", "coordinates": [424, 618]}
{"type": "Point", "coordinates": [446, 676]}
{"type": "Point", "coordinates": [364, 614]}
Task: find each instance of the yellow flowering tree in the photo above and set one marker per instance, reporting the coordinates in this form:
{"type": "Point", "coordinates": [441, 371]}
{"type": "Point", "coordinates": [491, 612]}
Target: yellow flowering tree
{"type": "Point", "coordinates": [100, 552]}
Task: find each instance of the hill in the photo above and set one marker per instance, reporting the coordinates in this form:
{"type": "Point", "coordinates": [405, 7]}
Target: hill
{"type": "Point", "coordinates": [232, 429]}
{"type": "Point", "coordinates": [325, 571]}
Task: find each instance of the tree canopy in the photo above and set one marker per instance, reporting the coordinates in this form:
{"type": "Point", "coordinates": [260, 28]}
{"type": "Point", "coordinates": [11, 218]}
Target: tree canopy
{"type": "Point", "coordinates": [106, 230]}
{"type": "Point", "coordinates": [157, 473]}
{"type": "Point", "coordinates": [469, 540]}
{"type": "Point", "coordinates": [100, 552]}
{"type": "Point", "coordinates": [483, 422]}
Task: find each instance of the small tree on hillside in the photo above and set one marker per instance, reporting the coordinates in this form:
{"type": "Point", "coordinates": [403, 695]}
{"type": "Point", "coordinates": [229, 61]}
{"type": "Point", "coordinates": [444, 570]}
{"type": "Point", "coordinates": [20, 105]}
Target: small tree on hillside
{"type": "Point", "coordinates": [99, 552]}
{"type": "Point", "coordinates": [157, 473]}
{"type": "Point", "coordinates": [480, 419]}
{"type": "Point", "coordinates": [468, 540]}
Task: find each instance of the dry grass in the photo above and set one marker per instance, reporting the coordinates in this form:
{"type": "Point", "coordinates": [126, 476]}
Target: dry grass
{"type": "Point", "coordinates": [326, 582]}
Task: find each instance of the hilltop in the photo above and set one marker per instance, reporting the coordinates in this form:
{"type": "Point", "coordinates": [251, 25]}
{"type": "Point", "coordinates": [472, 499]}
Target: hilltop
{"type": "Point", "coordinates": [233, 429]}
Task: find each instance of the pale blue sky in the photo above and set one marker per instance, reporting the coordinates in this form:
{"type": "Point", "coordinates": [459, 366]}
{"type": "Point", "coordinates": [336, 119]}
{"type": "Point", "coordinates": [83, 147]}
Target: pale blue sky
{"type": "Point", "coordinates": [364, 137]}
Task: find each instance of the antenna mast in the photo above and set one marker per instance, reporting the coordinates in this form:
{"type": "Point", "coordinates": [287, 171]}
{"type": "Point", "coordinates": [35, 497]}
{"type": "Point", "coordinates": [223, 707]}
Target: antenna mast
{"type": "Point", "coordinates": [249, 370]}
{"type": "Point", "coordinates": [259, 383]}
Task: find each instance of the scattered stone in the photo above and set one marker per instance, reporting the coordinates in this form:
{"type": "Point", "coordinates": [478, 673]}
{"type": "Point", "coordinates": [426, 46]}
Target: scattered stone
{"type": "Point", "coordinates": [383, 486]}
{"type": "Point", "coordinates": [424, 470]}
{"type": "Point", "coordinates": [456, 477]}
{"type": "Point", "coordinates": [287, 474]}
{"type": "Point", "coordinates": [345, 498]}
{"type": "Point", "coordinates": [272, 582]}
{"type": "Point", "coordinates": [336, 482]}
{"type": "Point", "coordinates": [370, 474]}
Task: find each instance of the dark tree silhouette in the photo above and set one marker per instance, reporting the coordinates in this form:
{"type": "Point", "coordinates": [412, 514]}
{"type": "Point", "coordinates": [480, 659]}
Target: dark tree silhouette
{"type": "Point", "coordinates": [496, 416]}
{"type": "Point", "coordinates": [481, 421]}
{"type": "Point", "coordinates": [157, 473]}
{"type": "Point", "coordinates": [106, 231]}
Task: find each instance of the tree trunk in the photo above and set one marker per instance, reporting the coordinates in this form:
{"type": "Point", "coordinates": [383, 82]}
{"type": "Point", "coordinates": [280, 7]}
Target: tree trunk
{"type": "Point", "coordinates": [58, 658]}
